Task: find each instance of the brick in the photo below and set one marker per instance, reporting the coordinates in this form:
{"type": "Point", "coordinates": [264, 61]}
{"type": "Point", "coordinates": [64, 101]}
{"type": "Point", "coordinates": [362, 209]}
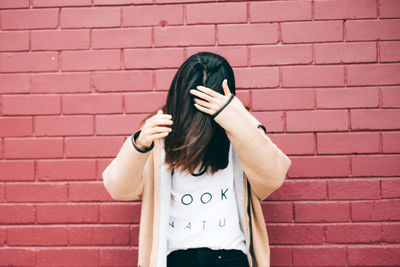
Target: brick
{"type": "Point", "coordinates": [184, 35]}
{"type": "Point", "coordinates": [37, 236]}
{"type": "Point", "coordinates": [16, 256]}
{"type": "Point", "coordinates": [312, 76]}
{"type": "Point", "coordinates": [153, 58]}
{"type": "Point", "coordinates": [90, 17]}
{"type": "Point", "coordinates": [376, 255]}
{"type": "Point", "coordinates": [164, 78]}
{"type": "Point", "coordinates": [60, 3]}
{"type": "Point", "coordinates": [260, 33]}
{"type": "Point", "coordinates": [345, 9]}
{"type": "Point", "coordinates": [92, 104]}
{"type": "Point", "coordinates": [122, 81]}
{"type": "Point", "coordinates": [391, 97]}
{"type": "Point", "coordinates": [16, 214]}
{"type": "Point", "coordinates": [235, 55]}
{"type": "Point", "coordinates": [67, 257]}
{"type": "Point", "coordinates": [385, 210]}
{"type": "Point", "coordinates": [371, 119]}
{"type": "Point", "coordinates": [15, 126]}
{"type": "Point", "coordinates": [379, 74]}
{"type": "Point", "coordinates": [244, 97]}
{"type": "Point", "coordinates": [273, 120]}
{"type": "Point", "coordinates": [277, 212]}
{"type": "Point", "coordinates": [353, 233]}
{"type": "Point", "coordinates": [292, 234]}
{"type": "Point", "coordinates": [348, 97]}
{"type": "Point", "coordinates": [303, 189]}
{"type": "Point", "coordinates": [322, 212]}
{"type": "Point", "coordinates": [389, 8]}
{"type": "Point", "coordinates": [33, 148]}
{"type": "Point", "coordinates": [280, 55]}
{"type": "Point", "coordinates": [316, 120]}
{"type": "Point", "coordinates": [389, 51]}
{"type": "Point", "coordinates": [391, 142]}
{"type": "Point", "coordinates": [134, 233]}
{"type": "Point", "coordinates": [211, 13]}
{"type": "Point", "coordinates": [259, 77]}
{"type": "Point", "coordinates": [66, 169]}
{"type": "Point", "coordinates": [14, 40]}
{"type": "Point", "coordinates": [92, 147]}
{"type": "Point", "coordinates": [29, 19]}
{"type": "Point", "coordinates": [345, 53]}
{"type": "Point", "coordinates": [118, 124]}
{"type": "Point", "coordinates": [320, 166]}
{"type": "Point", "coordinates": [98, 235]}
{"type": "Point", "coordinates": [16, 170]}
{"type": "Point", "coordinates": [84, 191]}
{"type": "Point", "coordinates": [350, 143]}
{"type": "Point", "coordinates": [376, 165]}
{"type": "Point", "coordinates": [120, 213]}
{"type": "Point", "coordinates": [67, 213]}
{"type": "Point", "coordinates": [28, 61]}
{"type": "Point", "coordinates": [178, 1]}
{"type": "Point", "coordinates": [59, 40]}
{"type": "Point", "coordinates": [101, 166]}
{"type": "Point", "coordinates": [354, 189]}
{"type": "Point", "coordinates": [280, 11]}
{"type": "Point", "coordinates": [152, 15]}
{"type": "Point", "coordinates": [121, 2]}
{"type": "Point", "coordinates": [121, 38]}
{"type": "Point", "coordinates": [292, 144]}
{"type": "Point", "coordinates": [391, 232]}
{"type": "Point", "coordinates": [280, 256]}
{"type": "Point", "coordinates": [63, 126]}
{"type": "Point", "coordinates": [91, 60]}
{"type": "Point", "coordinates": [31, 104]}
{"type": "Point", "coordinates": [319, 256]}
{"type": "Point", "coordinates": [36, 192]}
{"type": "Point", "coordinates": [308, 32]}
{"type": "Point", "coordinates": [283, 99]}
{"type": "Point", "coordinates": [60, 83]}
{"type": "Point", "coordinates": [364, 30]}
{"type": "Point", "coordinates": [144, 102]}
{"type": "Point", "coordinates": [118, 256]}
{"type": "Point", "coordinates": [14, 83]}
{"type": "Point", "coordinates": [2, 199]}
{"type": "Point", "coordinates": [14, 4]}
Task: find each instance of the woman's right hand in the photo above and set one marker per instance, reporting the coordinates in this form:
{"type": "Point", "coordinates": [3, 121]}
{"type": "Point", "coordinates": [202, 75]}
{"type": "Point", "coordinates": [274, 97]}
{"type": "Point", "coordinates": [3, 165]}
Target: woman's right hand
{"type": "Point", "coordinates": [154, 128]}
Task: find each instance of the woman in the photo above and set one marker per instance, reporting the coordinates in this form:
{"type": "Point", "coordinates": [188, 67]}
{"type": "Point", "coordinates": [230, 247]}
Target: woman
{"type": "Point", "coordinates": [202, 164]}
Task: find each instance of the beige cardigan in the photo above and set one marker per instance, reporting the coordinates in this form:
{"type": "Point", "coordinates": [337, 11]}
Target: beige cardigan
{"type": "Point", "coordinates": [260, 167]}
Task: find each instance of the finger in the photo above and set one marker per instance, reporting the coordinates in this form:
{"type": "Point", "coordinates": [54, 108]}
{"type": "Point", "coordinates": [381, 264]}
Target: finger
{"type": "Point", "coordinates": [226, 88]}
{"type": "Point", "coordinates": [158, 129]}
{"type": "Point", "coordinates": [201, 95]}
{"type": "Point", "coordinates": [203, 109]}
{"type": "Point", "coordinates": [159, 116]}
{"type": "Point", "coordinates": [159, 135]}
{"type": "Point", "coordinates": [157, 122]}
{"type": "Point", "coordinates": [205, 104]}
{"type": "Point", "coordinates": [208, 91]}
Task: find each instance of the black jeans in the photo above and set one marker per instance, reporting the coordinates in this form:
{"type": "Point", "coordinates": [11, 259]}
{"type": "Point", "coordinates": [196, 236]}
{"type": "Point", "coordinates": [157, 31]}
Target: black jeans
{"type": "Point", "coordinates": [205, 257]}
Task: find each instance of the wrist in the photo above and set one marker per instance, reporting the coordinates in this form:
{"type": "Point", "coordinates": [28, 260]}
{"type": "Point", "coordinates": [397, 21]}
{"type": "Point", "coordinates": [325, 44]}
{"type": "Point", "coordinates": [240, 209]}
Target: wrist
{"type": "Point", "coordinates": [138, 146]}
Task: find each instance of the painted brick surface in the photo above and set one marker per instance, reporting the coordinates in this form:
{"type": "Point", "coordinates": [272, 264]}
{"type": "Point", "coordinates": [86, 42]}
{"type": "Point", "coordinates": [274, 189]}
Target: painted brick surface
{"type": "Point", "coordinates": [78, 76]}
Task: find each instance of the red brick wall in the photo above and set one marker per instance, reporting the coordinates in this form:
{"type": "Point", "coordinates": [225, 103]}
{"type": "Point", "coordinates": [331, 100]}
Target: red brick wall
{"type": "Point", "coordinates": [77, 76]}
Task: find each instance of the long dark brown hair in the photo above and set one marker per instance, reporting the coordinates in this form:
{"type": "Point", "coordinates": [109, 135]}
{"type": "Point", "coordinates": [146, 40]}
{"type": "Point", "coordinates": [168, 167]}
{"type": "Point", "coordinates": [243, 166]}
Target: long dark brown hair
{"type": "Point", "coordinates": [196, 139]}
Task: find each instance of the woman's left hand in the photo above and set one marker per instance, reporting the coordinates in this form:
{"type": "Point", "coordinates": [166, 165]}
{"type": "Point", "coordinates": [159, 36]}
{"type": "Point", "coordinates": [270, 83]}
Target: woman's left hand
{"type": "Point", "coordinates": [210, 101]}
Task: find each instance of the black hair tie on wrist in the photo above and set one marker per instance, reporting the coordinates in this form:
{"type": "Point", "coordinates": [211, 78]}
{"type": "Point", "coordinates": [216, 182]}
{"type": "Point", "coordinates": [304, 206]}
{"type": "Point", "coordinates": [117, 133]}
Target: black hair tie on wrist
{"type": "Point", "coordinates": [133, 139]}
{"type": "Point", "coordinates": [227, 102]}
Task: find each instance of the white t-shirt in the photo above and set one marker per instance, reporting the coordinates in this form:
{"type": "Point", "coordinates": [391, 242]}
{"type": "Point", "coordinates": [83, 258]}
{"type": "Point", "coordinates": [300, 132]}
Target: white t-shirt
{"type": "Point", "coordinates": [203, 211]}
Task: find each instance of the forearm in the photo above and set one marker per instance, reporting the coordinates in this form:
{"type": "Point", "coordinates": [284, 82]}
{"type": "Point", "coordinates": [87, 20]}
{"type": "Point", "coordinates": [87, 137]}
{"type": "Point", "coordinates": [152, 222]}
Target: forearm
{"type": "Point", "coordinates": [263, 162]}
{"type": "Point", "coordinates": [123, 176]}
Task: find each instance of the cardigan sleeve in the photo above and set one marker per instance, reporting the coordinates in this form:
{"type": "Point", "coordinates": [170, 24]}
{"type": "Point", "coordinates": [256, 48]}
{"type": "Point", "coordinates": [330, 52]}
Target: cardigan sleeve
{"type": "Point", "coordinates": [122, 178]}
{"type": "Point", "coordinates": [264, 164]}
